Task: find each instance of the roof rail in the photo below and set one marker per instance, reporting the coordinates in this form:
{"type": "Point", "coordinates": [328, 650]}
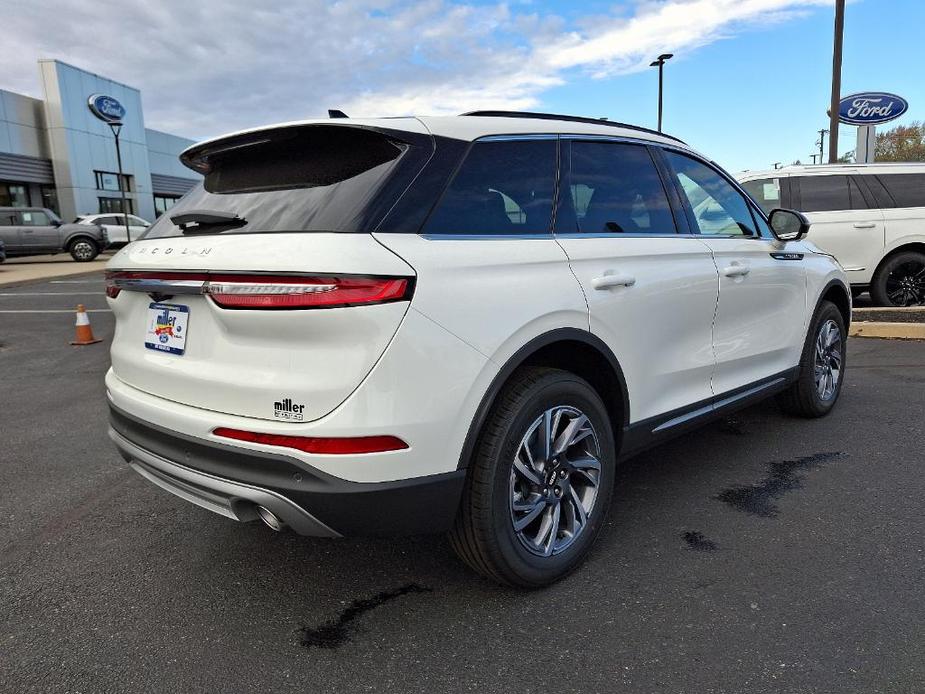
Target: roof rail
{"type": "Point", "coordinates": [576, 119]}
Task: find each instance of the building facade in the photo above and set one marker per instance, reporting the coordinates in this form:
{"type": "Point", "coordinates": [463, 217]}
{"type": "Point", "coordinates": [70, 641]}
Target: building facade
{"type": "Point", "coordinates": [55, 153]}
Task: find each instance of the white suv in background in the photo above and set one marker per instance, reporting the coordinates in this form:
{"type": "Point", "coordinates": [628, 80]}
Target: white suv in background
{"type": "Point", "coordinates": [869, 216]}
{"type": "Point", "coordinates": [114, 224]}
{"type": "Point", "coordinates": [455, 324]}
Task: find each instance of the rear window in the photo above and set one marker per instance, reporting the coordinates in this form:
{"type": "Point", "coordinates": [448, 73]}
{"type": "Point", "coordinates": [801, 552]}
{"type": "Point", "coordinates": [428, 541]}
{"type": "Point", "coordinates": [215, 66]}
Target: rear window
{"type": "Point", "coordinates": [313, 179]}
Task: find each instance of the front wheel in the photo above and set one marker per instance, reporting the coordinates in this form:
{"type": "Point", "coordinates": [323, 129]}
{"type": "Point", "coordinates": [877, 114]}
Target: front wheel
{"type": "Point", "coordinates": [822, 366]}
{"type": "Point", "coordinates": [900, 281]}
{"type": "Point", "coordinates": [540, 482]}
{"type": "Point", "coordinates": [83, 249]}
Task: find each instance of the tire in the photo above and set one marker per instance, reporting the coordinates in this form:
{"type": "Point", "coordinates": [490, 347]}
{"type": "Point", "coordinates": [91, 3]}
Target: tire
{"type": "Point", "coordinates": [824, 352]}
{"type": "Point", "coordinates": [484, 534]}
{"type": "Point", "coordinates": [83, 249]}
{"type": "Point", "coordinates": [900, 280]}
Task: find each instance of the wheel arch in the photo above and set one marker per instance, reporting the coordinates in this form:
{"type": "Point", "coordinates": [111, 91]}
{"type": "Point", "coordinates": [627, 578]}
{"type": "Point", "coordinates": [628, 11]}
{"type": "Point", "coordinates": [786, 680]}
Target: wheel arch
{"type": "Point", "coordinates": [839, 294]}
{"type": "Point", "coordinates": [80, 234]}
{"type": "Point", "coordinates": [570, 349]}
{"type": "Point", "coordinates": [915, 246]}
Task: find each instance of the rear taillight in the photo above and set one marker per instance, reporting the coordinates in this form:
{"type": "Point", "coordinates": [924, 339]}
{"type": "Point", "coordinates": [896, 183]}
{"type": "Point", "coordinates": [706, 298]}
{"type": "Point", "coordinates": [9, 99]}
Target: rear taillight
{"type": "Point", "coordinates": [315, 444]}
{"type": "Point", "coordinates": [236, 291]}
{"type": "Point", "coordinates": [265, 291]}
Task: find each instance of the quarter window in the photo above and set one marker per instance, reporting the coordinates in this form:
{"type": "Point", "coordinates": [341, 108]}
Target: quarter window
{"type": "Point", "coordinates": [908, 190]}
{"type": "Point", "coordinates": [502, 188]}
{"type": "Point", "coordinates": [718, 208]}
{"type": "Point", "coordinates": [614, 188]}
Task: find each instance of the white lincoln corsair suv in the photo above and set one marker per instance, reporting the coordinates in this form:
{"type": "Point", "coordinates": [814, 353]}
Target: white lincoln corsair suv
{"type": "Point", "coordinates": [458, 324]}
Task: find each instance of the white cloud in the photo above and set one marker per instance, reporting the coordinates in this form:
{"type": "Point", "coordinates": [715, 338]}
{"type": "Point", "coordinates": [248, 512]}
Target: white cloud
{"type": "Point", "coordinates": [209, 66]}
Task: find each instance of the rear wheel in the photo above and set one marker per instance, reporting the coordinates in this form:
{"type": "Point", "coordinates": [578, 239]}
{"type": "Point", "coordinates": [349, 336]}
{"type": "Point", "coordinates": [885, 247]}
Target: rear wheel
{"type": "Point", "coordinates": [900, 281]}
{"type": "Point", "coordinates": [540, 483]}
{"type": "Point", "coordinates": [822, 366]}
{"type": "Point", "coordinates": [83, 249]}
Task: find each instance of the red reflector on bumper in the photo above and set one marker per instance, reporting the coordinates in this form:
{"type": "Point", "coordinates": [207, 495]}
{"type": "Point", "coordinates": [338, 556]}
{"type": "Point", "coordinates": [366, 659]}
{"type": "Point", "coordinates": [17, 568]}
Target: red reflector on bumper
{"type": "Point", "coordinates": [320, 445]}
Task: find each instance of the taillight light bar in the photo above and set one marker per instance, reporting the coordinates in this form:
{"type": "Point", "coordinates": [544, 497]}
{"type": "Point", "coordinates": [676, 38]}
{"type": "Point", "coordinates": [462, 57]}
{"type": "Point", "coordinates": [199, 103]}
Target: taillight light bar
{"type": "Point", "coordinates": [316, 444]}
{"type": "Point", "coordinates": [266, 291]}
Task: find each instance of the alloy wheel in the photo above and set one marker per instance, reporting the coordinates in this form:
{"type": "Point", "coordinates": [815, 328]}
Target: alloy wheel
{"type": "Point", "coordinates": [905, 285]}
{"type": "Point", "coordinates": [828, 360]}
{"type": "Point", "coordinates": [555, 476]}
{"type": "Point", "coordinates": [83, 250]}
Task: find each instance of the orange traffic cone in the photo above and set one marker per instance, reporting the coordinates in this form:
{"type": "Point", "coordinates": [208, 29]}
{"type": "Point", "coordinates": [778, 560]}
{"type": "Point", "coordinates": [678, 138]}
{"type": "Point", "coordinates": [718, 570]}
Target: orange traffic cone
{"type": "Point", "coordinates": [84, 334]}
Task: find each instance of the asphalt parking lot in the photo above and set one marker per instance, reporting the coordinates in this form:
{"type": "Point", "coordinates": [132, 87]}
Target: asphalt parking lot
{"type": "Point", "coordinates": [761, 554]}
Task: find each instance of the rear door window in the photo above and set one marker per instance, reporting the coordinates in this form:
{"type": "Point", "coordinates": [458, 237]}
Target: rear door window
{"type": "Point", "coordinates": [317, 178]}
{"type": "Point", "coordinates": [830, 193]}
{"type": "Point", "coordinates": [503, 188]}
{"type": "Point", "coordinates": [908, 190]}
{"type": "Point", "coordinates": [34, 218]}
{"type": "Point", "coordinates": [613, 188]}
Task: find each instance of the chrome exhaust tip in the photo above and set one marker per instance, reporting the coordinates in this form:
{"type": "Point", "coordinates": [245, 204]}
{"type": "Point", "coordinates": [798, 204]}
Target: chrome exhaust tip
{"type": "Point", "coordinates": [272, 521]}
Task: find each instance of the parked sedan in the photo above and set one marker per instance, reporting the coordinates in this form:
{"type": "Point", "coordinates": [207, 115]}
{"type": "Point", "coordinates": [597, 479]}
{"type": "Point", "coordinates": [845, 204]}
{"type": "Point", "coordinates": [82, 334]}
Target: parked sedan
{"type": "Point", "coordinates": [39, 231]}
{"type": "Point", "coordinates": [114, 224]}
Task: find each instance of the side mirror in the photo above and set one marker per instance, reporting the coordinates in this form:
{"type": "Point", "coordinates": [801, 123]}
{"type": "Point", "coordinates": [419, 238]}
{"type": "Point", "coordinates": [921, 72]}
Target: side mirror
{"type": "Point", "coordinates": [788, 225]}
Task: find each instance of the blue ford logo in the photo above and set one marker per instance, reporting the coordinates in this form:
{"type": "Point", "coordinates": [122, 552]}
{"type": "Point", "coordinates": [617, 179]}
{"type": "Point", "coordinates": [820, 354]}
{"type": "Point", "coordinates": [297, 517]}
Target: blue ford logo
{"type": "Point", "coordinates": [871, 108]}
{"type": "Point", "coordinates": [106, 108]}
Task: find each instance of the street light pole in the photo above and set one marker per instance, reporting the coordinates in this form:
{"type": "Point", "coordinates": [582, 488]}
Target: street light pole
{"type": "Point", "coordinates": [660, 64]}
{"type": "Point", "coordinates": [116, 129]}
{"type": "Point", "coordinates": [836, 80]}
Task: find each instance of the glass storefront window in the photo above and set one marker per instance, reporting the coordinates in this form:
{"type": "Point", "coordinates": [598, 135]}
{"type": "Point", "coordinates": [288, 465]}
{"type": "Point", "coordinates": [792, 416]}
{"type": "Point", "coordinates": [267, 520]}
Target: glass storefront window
{"type": "Point", "coordinates": [162, 203]}
{"type": "Point", "coordinates": [14, 195]}
{"type": "Point", "coordinates": [50, 198]}
{"type": "Point", "coordinates": [106, 180]}
{"type": "Point", "coordinates": [108, 205]}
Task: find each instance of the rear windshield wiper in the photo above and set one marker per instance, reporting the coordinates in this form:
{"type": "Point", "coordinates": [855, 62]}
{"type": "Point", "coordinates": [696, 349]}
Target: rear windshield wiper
{"type": "Point", "coordinates": [192, 221]}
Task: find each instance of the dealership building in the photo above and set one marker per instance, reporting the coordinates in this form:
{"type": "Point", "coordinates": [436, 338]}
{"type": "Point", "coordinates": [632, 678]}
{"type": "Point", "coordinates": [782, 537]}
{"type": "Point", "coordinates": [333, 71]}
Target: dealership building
{"type": "Point", "coordinates": [55, 153]}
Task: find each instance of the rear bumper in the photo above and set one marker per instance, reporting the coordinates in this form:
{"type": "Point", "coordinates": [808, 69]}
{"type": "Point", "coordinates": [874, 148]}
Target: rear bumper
{"type": "Point", "coordinates": [233, 481]}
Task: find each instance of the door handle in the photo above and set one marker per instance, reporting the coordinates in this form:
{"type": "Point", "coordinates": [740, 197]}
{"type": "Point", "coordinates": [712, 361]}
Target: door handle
{"type": "Point", "coordinates": [613, 280]}
{"type": "Point", "coordinates": [865, 225]}
{"type": "Point", "coordinates": [736, 270]}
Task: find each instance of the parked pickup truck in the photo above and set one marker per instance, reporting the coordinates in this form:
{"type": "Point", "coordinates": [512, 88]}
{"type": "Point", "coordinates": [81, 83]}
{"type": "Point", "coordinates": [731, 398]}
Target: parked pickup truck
{"type": "Point", "coordinates": [39, 231]}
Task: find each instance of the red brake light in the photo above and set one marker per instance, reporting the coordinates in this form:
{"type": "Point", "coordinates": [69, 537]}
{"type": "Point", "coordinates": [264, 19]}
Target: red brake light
{"type": "Point", "coordinates": [257, 291]}
{"type": "Point", "coordinates": [265, 291]}
{"type": "Point", "coordinates": [314, 444]}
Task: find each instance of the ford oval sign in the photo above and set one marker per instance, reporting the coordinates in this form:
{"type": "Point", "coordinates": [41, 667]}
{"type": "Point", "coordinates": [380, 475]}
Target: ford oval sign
{"type": "Point", "coordinates": [106, 108]}
{"type": "Point", "coordinates": [871, 108]}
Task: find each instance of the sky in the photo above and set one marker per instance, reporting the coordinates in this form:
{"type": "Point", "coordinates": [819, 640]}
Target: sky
{"type": "Point", "coordinates": [749, 84]}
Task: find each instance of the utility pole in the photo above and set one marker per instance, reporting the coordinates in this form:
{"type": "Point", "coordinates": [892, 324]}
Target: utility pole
{"type": "Point", "coordinates": [836, 79]}
{"type": "Point", "coordinates": [116, 128]}
{"type": "Point", "coordinates": [660, 64]}
{"type": "Point", "coordinates": [821, 144]}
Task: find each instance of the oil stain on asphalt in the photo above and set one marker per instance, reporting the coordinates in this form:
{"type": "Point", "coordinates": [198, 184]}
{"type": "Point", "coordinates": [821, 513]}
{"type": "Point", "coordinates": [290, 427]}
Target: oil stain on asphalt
{"type": "Point", "coordinates": [782, 477]}
{"type": "Point", "coordinates": [337, 632]}
{"type": "Point", "coordinates": [696, 541]}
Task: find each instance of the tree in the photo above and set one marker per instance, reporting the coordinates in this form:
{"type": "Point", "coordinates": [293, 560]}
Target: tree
{"type": "Point", "coordinates": [902, 143]}
{"type": "Point", "coordinates": [846, 158]}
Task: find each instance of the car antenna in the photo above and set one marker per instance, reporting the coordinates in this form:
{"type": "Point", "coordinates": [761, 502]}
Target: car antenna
{"type": "Point", "coordinates": [336, 113]}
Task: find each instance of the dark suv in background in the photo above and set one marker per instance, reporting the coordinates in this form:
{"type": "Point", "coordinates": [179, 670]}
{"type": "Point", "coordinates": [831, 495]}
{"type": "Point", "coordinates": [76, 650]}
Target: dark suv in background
{"type": "Point", "coordinates": [39, 231]}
